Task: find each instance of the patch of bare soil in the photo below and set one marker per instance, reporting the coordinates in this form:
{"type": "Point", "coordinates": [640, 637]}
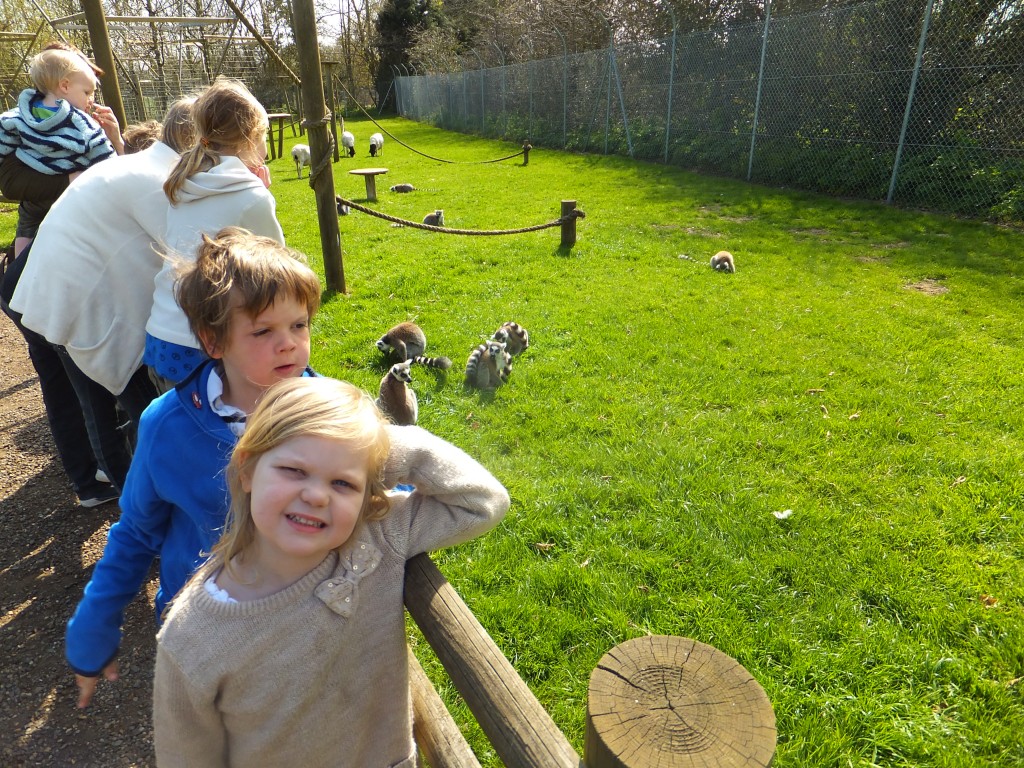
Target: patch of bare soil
{"type": "Point", "coordinates": [48, 545]}
{"type": "Point", "coordinates": [928, 287]}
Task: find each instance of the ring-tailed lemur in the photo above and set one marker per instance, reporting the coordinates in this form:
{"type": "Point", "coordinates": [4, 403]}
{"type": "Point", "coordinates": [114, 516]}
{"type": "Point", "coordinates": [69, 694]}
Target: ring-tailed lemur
{"type": "Point", "coordinates": [403, 188]}
{"type": "Point", "coordinates": [488, 366]}
{"type": "Point", "coordinates": [435, 219]}
{"type": "Point", "coordinates": [722, 261]}
{"type": "Point", "coordinates": [514, 337]}
{"type": "Point", "coordinates": [397, 400]}
{"type": "Point", "coordinates": [406, 340]}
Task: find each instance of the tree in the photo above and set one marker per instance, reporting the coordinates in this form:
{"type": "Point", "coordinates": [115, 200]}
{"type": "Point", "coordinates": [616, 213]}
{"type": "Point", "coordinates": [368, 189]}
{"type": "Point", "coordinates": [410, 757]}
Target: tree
{"type": "Point", "coordinates": [397, 24]}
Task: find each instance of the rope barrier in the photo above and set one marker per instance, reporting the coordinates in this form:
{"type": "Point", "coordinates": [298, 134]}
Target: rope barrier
{"type": "Point", "coordinates": [576, 214]}
{"type": "Point", "coordinates": [416, 151]}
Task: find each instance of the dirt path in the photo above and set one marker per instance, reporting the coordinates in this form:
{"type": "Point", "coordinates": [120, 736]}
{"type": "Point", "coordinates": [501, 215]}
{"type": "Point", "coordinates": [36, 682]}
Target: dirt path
{"type": "Point", "coordinates": [47, 548]}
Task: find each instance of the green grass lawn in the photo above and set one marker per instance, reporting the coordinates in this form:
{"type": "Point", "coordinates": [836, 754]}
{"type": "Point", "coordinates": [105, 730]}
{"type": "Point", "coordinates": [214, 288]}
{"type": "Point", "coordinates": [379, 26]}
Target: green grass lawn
{"type": "Point", "coordinates": [861, 369]}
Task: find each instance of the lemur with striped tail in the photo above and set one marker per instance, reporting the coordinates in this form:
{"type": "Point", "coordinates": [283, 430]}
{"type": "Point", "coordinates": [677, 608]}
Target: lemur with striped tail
{"type": "Point", "coordinates": [513, 336]}
{"type": "Point", "coordinates": [404, 341]}
{"type": "Point", "coordinates": [397, 400]}
{"type": "Point", "coordinates": [488, 366]}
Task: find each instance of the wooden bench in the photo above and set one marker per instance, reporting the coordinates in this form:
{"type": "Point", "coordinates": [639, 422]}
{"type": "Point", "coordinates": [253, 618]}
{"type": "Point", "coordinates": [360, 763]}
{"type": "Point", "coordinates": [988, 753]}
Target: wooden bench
{"type": "Point", "coordinates": [653, 701]}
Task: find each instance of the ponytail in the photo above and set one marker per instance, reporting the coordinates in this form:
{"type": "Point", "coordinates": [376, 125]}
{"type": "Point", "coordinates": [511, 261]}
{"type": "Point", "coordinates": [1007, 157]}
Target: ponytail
{"type": "Point", "coordinates": [196, 160]}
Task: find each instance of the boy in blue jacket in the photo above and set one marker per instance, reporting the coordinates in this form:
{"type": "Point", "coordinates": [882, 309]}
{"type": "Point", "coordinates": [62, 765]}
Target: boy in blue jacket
{"type": "Point", "coordinates": [249, 301]}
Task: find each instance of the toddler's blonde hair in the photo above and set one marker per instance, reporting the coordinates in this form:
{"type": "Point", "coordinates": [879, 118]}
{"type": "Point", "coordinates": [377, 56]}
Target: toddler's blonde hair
{"type": "Point", "coordinates": [48, 67]}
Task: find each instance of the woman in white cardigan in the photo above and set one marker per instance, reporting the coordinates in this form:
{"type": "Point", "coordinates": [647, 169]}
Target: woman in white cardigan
{"type": "Point", "coordinates": [88, 284]}
{"type": "Point", "coordinates": [87, 288]}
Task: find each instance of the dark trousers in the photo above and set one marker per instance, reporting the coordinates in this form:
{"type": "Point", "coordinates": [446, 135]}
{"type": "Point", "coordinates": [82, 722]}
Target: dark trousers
{"type": "Point", "coordinates": [63, 411]}
{"type": "Point", "coordinates": [109, 441]}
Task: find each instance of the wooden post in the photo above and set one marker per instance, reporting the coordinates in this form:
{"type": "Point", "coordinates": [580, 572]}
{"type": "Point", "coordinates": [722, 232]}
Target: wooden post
{"type": "Point", "coordinates": [569, 224]}
{"type": "Point", "coordinates": [100, 41]}
{"type": "Point", "coordinates": [315, 111]}
{"type": "Point", "coordinates": [518, 727]}
{"type": "Point", "coordinates": [527, 146]}
{"type": "Point", "coordinates": [672, 702]}
{"type": "Point", "coordinates": [329, 66]}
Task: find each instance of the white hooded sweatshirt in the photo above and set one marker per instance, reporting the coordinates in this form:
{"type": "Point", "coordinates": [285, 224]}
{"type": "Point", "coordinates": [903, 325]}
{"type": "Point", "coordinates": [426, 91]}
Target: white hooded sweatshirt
{"type": "Point", "coordinates": [228, 194]}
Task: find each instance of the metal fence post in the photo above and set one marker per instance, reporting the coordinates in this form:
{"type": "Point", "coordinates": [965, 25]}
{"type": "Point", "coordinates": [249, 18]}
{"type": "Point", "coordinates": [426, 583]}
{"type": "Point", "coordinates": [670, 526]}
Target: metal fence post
{"type": "Point", "coordinates": [760, 81]}
{"type": "Point", "coordinates": [622, 102]}
{"type": "Point", "coordinates": [565, 82]}
{"type": "Point", "coordinates": [910, 99]}
{"type": "Point", "coordinates": [671, 78]}
{"type": "Point", "coordinates": [608, 102]}
{"type": "Point", "coordinates": [481, 62]}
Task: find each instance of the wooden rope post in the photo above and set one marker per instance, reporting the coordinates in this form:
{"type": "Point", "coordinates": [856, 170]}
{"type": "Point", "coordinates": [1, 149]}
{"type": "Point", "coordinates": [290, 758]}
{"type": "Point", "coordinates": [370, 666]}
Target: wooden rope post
{"type": "Point", "coordinates": [314, 110]}
{"type": "Point", "coordinates": [526, 152]}
{"type": "Point", "coordinates": [672, 702]}
{"type": "Point", "coordinates": [329, 66]}
{"type": "Point", "coordinates": [568, 224]}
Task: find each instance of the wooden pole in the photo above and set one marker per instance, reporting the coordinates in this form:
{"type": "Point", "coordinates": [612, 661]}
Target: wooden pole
{"type": "Point", "coordinates": [100, 41]}
{"type": "Point", "coordinates": [518, 727]}
{"type": "Point", "coordinates": [672, 702]}
{"type": "Point", "coordinates": [321, 171]}
{"type": "Point", "coordinates": [568, 224]}
{"type": "Point", "coordinates": [527, 146]}
{"type": "Point", "coordinates": [329, 66]}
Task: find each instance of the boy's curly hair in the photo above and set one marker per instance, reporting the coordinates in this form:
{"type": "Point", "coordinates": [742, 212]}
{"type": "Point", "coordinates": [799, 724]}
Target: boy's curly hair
{"type": "Point", "coordinates": [237, 270]}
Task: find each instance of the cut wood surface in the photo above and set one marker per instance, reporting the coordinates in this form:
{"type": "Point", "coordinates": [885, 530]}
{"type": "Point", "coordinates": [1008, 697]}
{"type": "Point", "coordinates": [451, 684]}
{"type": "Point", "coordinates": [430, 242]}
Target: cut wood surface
{"type": "Point", "coordinates": [673, 702]}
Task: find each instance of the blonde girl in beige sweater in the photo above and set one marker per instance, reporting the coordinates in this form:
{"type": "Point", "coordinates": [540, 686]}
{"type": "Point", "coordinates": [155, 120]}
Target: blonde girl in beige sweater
{"type": "Point", "coordinates": [288, 647]}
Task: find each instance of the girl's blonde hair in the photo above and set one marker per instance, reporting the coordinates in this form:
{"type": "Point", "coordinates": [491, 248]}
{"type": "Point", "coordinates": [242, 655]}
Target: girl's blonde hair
{"type": "Point", "coordinates": [239, 271]}
{"type": "Point", "coordinates": [228, 120]}
{"type": "Point", "coordinates": [302, 407]}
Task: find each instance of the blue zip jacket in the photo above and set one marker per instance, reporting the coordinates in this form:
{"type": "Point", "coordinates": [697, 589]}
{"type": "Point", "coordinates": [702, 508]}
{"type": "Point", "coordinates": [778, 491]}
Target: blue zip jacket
{"type": "Point", "coordinates": [174, 504]}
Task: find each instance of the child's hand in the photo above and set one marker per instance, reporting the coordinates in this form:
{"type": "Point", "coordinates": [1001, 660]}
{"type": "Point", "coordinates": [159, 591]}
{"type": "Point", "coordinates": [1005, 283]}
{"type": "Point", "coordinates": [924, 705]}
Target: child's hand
{"type": "Point", "coordinates": [87, 685]}
{"type": "Point", "coordinates": [104, 115]}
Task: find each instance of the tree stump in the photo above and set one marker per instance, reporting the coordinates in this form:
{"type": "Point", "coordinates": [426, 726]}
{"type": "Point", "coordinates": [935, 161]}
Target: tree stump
{"type": "Point", "coordinates": [672, 702]}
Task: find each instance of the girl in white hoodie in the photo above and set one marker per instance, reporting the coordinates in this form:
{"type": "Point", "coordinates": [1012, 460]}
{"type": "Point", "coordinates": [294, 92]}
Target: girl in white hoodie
{"type": "Point", "coordinates": [222, 181]}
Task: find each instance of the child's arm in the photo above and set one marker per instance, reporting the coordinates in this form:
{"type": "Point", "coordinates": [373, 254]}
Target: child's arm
{"type": "Point", "coordinates": [260, 218]}
{"type": "Point", "coordinates": [455, 497]}
{"type": "Point", "coordinates": [93, 634]}
{"type": "Point", "coordinates": [187, 726]}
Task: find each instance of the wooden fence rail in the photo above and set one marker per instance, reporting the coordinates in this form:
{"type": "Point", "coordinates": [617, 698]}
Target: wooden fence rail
{"type": "Point", "coordinates": [659, 701]}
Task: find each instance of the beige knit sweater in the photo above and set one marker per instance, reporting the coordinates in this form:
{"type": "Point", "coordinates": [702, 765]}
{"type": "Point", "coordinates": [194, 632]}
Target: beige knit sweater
{"type": "Point", "coordinates": [316, 675]}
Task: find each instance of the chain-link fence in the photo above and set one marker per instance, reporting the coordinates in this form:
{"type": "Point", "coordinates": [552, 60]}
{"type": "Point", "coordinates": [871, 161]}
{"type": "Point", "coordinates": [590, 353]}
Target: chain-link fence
{"type": "Point", "coordinates": [918, 102]}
